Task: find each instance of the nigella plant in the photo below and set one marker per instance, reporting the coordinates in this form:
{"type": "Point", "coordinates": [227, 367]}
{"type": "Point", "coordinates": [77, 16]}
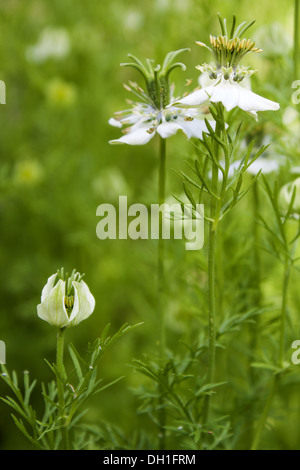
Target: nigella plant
{"type": "Point", "coordinates": [65, 302]}
{"type": "Point", "coordinates": [154, 113]}
{"type": "Point", "coordinates": [218, 185]}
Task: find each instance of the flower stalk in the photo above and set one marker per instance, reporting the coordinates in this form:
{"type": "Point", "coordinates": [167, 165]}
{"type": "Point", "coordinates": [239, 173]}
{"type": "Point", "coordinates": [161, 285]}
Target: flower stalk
{"type": "Point", "coordinates": [213, 225]}
{"type": "Point", "coordinates": [283, 208]}
{"type": "Point", "coordinates": [161, 247]}
{"type": "Point", "coordinates": [60, 384]}
{"type": "Point", "coordinates": [275, 380]}
{"type": "Point", "coordinates": [296, 38]}
{"type": "Point", "coordinates": [161, 287]}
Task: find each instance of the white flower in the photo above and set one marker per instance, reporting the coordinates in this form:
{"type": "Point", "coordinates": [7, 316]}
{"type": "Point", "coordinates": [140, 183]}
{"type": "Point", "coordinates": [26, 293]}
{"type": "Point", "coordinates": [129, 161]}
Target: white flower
{"type": "Point", "coordinates": [269, 162]}
{"type": "Point", "coordinates": [265, 164]}
{"type": "Point", "coordinates": [145, 121]}
{"type": "Point", "coordinates": [133, 20]}
{"type": "Point", "coordinates": [154, 112]}
{"type": "Point", "coordinates": [275, 39]}
{"type": "Point", "coordinates": [231, 94]}
{"type": "Point", "coordinates": [286, 194]}
{"type": "Point", "coordinates": [52, 43]}
{"type": "Point", "coordinates": [65, 302]}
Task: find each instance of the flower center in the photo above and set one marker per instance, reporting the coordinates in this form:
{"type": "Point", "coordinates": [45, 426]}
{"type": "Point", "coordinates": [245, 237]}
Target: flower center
{"type": "Point", "coordinates": [228, 52]}
{"type": "Point", "coordinates": [236, 74]}
{"type": "Point", "coordinates": [69, 303]}
{"type": "Point", "coordinates": [69, 288]}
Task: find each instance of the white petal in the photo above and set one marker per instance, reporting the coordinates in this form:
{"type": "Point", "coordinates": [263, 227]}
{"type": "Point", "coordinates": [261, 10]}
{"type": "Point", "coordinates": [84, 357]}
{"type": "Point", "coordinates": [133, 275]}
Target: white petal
{"type": "Point", "coordinates": [196, 98]}
{"type": "Point", "coordinates": [113, 122]}
{"type": "Point", "coordinates": [249, 101]}
{"type": "Point", "coordinates": [48, 287]}
{"type": "Point", "coordinates": [226, 93]}
{"type": "Point", "coordinates": [205, 81]}
{"type": "Point", "coordinates": [84, 303]}
{"type": "Point", "coordinates": [167, 128]}
{"type": "Point", "coordinates": [53, 310]}
{"type": "Point", "coordinates": [253, 114]}
{"type": "Point", "coordinates": [138, 134]}
{"type": "Point", "coordinates": [195, 128]}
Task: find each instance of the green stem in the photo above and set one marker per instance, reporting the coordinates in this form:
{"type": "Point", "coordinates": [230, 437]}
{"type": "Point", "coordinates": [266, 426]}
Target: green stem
{"type": "Point", "coordinates": [255, 278]}
{"type": "Point", "coordinates": [286, 278]}
{"type": "Point", "coordinates": [60, 385]}
{"type": "Point", "coordinates": [257, 261]}
{"type": "Point", "coordinates": [255, 303]}
{"type": "Point", "coordinates": [264, 416]}
{"type": "Point", "coordinates": [265, 413]}
{"type": "Point", "coordinates": [161, 246]}
{"type": "Point", "coordinates": [161, 288]}
{"type": "Point", "coordinates": [215, 207]}
{"type": "Point", "coordinates": [211, 294]}
{"type": "Point", "coordinates": [296, 38]}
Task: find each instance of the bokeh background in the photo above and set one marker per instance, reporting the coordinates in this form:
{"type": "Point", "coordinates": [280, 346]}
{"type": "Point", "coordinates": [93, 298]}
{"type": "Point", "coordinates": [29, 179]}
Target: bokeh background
{"type": "Point", "coordinates": [60, 61]}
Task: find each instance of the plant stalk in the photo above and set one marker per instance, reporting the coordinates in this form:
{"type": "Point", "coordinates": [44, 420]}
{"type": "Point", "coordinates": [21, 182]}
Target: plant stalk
{"type": "Point", "coordinates": [212, 237]}
{"type": "Point", "coordinates": [60, 385]}
{"type": "Point", "coordinates": [211, 295]}
{"type": "Point", "coordinates": [161, 288]}
{"type": "Point", "coordinates": [296, 38]}
{"type": "Point", "coordinates": [161, 248]}
{"type": "Point", "coordinates": [264, 416]}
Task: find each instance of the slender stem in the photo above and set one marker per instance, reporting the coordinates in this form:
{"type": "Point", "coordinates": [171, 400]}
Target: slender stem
{"type": "Point", "coordinates": [60, 385]}
{"type": "Point", "coordinates": [257, 260]}
{"type": "Point", "coordinates": [296, 38]}
{"type": "Point", "coordinates": [214, 216]}
{"type": "Point", "coordinates": [255, 303]}
{"type": "Point", "coordinates": [161, 246]}
{"type": "Point", "coordinates": [255, 278]}
{"type": "Point", "coordinates": [264, 416]}
{"type": "Point", "coordinates": [211, 295]}
{"type": "Point", "coordinates": [161, 287]}
{"type": "Point", "coordinates": [286, 278]}
{"type": "Point", "coordinates": [265, 413]}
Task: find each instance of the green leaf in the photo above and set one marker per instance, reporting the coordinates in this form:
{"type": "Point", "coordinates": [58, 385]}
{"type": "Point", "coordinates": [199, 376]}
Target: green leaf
{"type": "Point", "coordinates": [74, 356]}
{"type": "Point", "coordinates": [24, 431]}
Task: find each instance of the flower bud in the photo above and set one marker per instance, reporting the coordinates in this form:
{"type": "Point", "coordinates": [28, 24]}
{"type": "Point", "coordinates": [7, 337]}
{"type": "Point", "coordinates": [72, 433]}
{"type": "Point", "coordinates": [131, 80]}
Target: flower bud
{"type": "Point", "coordinates": [66, 300]}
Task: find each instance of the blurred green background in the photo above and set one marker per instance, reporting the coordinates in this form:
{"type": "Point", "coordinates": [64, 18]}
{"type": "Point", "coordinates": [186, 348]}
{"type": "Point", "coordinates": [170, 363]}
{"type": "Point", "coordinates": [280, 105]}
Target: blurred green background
{"type": "Point", "coordinates": [57, 167]}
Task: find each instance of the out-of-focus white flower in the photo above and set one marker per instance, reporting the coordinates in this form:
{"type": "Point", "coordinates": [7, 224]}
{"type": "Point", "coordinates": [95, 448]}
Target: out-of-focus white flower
{"type": "Point", "coordinates": [175, 5]}
{"type": "Point", "coordinates": [265, 164]}
{"type": "Point", "coordinates": [110, 183]}
{"type": "Point", "coordinates": [286, 194]}
{"type": "Point", "coordinates": [269, 162]}
{"type": "Point", "coordinates": [290, 119]}
{"type": "Point", "coordinates": [52, 43]}
{"type": "Point", "coordinates": [274, 39]}
{"type": "Point", "coordinates": [65, 301]}
{"type": "Point", "coordinates": [133, 20]}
